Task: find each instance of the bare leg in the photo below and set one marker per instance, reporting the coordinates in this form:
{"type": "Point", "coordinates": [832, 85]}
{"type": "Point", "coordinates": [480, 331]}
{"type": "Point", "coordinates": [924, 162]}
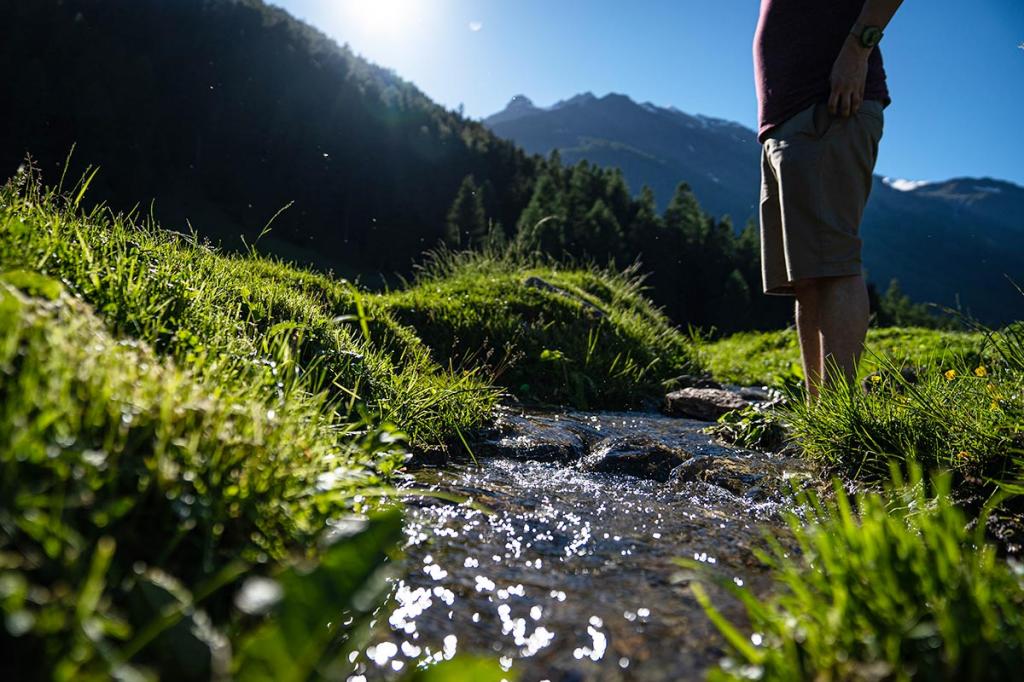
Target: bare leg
{"type": "Point", "coordinates": [808, 327]}
{"type": "Point", "coordinates": [843, 318]}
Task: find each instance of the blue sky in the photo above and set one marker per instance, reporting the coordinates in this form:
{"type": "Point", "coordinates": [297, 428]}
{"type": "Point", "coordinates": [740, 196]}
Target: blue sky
{"type": "Point", "coordinates": [956, 69]}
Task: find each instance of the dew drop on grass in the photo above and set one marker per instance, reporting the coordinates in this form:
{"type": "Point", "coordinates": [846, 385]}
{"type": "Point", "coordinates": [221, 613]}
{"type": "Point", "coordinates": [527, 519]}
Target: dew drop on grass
{"type": "Point", "coordinates": [258, 595]}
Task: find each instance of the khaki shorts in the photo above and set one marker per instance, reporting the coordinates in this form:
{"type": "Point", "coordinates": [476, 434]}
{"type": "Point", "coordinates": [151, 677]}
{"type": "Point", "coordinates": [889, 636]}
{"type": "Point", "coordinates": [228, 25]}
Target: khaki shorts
{"type": "Point", "coordinates": [815, 180]}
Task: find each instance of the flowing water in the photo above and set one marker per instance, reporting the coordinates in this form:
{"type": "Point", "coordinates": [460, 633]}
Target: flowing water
{"type": "Point", "coordinates": [570, 574]}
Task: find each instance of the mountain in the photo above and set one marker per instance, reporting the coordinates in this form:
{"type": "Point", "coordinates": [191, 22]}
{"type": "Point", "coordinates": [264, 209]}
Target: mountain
{"type": "Point", "coordinates": [954, 243]}
{"type": "Point", "coordinates": [224, 111]}
{"type": "Point", "coordinates": [960, 240]}
{"type": "Point", "coordinates": [652, 145]}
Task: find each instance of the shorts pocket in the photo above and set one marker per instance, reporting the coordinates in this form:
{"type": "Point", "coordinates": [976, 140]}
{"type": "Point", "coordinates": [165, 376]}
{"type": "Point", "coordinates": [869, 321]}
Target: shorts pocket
{"type": "Point", "coordinates": [873, 110]}
{"type": "Point", "coordinates": [822, 120]}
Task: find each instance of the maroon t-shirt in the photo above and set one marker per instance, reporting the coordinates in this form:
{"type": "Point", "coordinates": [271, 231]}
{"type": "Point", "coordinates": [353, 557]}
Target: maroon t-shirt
{"type": "Point", "coordinates": [795, 46]}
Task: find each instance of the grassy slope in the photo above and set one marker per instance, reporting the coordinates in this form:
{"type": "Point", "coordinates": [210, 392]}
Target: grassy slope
{"type": "Point", "coordinates": [593, 342]}
{"type": "Point", "coordinates": [231, 316]}
{"type": "Point", "coordinates": [152, 388]}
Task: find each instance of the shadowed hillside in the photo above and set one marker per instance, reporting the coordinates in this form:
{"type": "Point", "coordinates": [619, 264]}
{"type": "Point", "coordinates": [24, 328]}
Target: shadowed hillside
{"type": "Point", "coordinates": [225, 111]}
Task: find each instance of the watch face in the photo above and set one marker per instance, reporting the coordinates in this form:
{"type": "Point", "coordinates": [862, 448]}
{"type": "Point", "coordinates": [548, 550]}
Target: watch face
{"type": "Point", "coordinates": [871, 36]}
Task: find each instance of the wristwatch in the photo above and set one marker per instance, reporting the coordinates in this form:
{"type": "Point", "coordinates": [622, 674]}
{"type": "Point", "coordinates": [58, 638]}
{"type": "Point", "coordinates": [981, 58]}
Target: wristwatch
{"type": "Point", "coordinates": [869, 36]}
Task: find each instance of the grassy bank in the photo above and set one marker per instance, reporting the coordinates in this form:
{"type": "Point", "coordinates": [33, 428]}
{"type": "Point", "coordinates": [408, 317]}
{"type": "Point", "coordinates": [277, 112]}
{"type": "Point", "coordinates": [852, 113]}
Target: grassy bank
{"type": "Point", "coordinates": [237, 318]}
{"type": "Point", "coordinates": [946, 400]}
{"type": "Point", "coordinates": [174, 421]}
{"type": "Point", "coordinates": [904, 582]}
{"type": "Point", "coordinates": [773, 358]}
{"type": "Point", "coordinates": [582, 337]}
{"type": "Point", "coordinates": [887, 586]}
{"type": "Point", "coordinates": [135, 494]}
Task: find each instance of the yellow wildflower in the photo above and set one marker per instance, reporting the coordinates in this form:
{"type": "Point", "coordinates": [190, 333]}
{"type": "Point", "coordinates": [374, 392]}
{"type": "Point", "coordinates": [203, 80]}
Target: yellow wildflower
{"type": "Point", "coordinates": [875, 378]}
{"type": "Point", "coordinates": [981, 372]}
{"type": "Point", "coordinates": [950, 374]}
{"type": "Point", "coordinates": [963, 454]}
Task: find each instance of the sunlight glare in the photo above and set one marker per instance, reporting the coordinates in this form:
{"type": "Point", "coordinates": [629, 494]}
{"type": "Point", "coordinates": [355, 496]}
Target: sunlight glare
{"type": "Point", "coordinates": [392, 18]}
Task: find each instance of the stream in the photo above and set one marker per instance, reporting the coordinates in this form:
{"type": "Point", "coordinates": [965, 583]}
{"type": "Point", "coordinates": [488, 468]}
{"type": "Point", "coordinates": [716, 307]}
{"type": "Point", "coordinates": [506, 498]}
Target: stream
{"type": "Point", "coordinates": [571, 574]}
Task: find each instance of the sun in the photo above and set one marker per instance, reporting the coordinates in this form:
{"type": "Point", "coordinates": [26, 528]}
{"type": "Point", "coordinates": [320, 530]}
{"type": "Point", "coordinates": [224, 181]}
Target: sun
{"type": "Point", "coordinates": [385, 18]}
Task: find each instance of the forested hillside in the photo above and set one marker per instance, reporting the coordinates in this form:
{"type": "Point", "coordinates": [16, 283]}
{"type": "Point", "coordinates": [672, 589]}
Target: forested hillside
{"type": "Point", "coordinates": [224, 111]}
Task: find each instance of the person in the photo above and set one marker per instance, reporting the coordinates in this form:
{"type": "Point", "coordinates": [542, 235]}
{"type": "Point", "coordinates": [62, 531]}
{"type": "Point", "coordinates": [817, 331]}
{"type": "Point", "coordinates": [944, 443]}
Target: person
{"type": "Point", "coordinates": [821, 90]}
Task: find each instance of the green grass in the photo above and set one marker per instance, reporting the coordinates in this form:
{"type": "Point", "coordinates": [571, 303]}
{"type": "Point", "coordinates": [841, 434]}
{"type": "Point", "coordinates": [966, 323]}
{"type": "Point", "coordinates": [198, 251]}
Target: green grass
{"type": "Point", "coordinates": [118, 462]}
{"type": "Point", "coordinates": [891, 586]}
{"type": "Point", "coordinates": [773, 358]}
{"type": "Point", "coordinates": [948, 417]}
{"type": "Point", "coordinates": [173, 420]}
{"type": "Point", "coordinates": [947, 400]}
{"type": "Point", "coordinates": [888, 587]}
{"type": "Point", "coordinates": [582, 337]}
{"type": "Point", "coordinates": [221, 315]}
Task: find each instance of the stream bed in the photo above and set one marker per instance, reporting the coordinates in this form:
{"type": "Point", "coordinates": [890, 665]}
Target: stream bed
{"type": "Point", "coordinates": [570, 575]}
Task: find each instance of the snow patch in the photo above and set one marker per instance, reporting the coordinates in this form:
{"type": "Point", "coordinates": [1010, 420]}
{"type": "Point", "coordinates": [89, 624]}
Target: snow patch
{"type": "Point", "coordinates": [712, 122]}
{"type": "Point", "coordinates": [901, 185]}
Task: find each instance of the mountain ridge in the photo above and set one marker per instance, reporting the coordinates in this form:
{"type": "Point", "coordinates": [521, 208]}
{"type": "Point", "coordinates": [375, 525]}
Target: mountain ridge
{"type": "Point", "coordinates": [599, 128]}
{"type": "Point", "coordinates": [522, 106]}
{"type": "Point", "coordinates": [947, 241]}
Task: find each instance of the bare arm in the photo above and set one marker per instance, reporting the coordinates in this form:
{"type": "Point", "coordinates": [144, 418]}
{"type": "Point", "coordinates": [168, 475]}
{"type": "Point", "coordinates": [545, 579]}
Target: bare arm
{"type": "Point", "coordinates": [850, 71]}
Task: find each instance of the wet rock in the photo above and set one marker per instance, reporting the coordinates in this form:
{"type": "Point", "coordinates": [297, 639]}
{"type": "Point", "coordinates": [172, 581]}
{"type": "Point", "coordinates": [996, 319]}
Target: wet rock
{"type": "Point", "coordinates": [637, 456]}
{"type": "Point", "coordinates": [538, 440]}
{"type": "Point", "coordinates": [756, 394]}
{"type": "Point", "coordinates": [705, 404]}
{"type": "Point", "coordinates": [755, 476]}
{"type": "Point", "coordinates": [691, 381]}
{"type": "Point", "coordinates": [561, 447]}
{"type": "Point", "coordinates": [737, 475]}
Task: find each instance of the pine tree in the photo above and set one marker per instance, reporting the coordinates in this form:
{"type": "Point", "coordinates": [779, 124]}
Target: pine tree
{"type": "Point", "coordinates": [685, 215]}
{"type": "Point", "coordinates": [617, 196]}
{"type": "Point", "coordinates": [542, 224]}
{"type": "Point", "coordinates": [467, 221]}
{"type": "Point", "coordinates": [600, 235]}
{"type": "Point", "coordinates": [496, 240]}
{"type": "Point", "coordinates": [645, 229]}
{"type": "Point", "coordinates": [732, 306]}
